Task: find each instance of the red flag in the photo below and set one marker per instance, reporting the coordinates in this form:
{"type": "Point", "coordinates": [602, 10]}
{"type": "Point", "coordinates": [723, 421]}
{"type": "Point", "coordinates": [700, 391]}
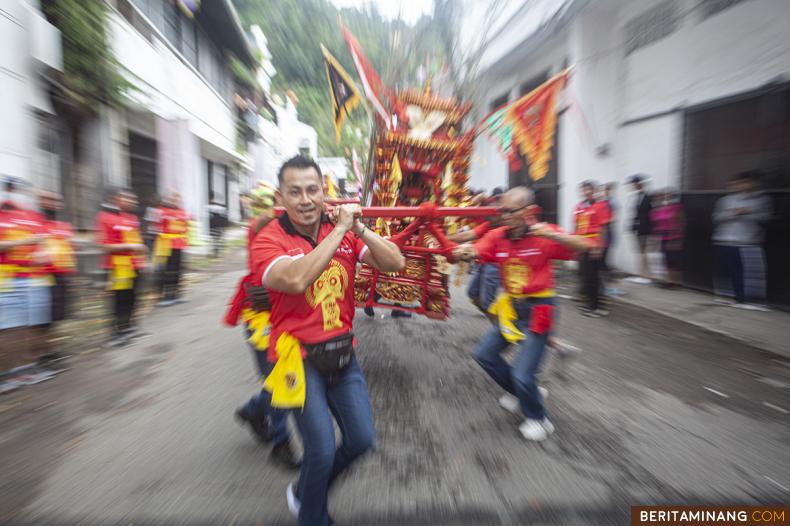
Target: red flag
{"type": "Point", "coordinates": [371, 83]}
{"type": "Point", "coordinates": [534, 118]}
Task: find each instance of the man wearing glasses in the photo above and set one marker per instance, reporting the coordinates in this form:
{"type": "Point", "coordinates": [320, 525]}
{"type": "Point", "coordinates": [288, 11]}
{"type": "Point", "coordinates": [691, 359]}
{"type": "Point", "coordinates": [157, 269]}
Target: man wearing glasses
{"type": "Point", "coordinates": [524, 249]}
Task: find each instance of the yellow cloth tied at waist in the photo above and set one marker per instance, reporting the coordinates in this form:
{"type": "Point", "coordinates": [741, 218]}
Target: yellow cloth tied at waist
{"type": "Point", "coordinates": [286, 382]}
{"type": "Point", "coordinates": [163, 246]}
{"type": "Point", "coordinates": [258, 323]}
{"type": "Point", "coordinates": [122, 273]}
{"type": "Point", "coordinates": [61, 253]}
{"type": "Point", "coordinates": [7, 272]}
{"type": "Point", "coordinates": [506, 314]}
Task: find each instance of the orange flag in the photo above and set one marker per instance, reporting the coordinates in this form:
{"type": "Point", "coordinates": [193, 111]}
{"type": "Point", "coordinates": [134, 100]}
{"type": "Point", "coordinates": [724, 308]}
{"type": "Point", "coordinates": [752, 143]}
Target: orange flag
{"type": "Point", "coordinates": [534, 120]}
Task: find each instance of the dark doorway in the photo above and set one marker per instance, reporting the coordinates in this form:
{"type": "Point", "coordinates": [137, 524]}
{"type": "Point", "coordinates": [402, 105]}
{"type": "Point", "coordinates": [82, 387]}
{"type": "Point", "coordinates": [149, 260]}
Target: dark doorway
{"type": "Point", "coordinates": [143, 162]}
{"type": "Point", "coordinates": [750, 132]}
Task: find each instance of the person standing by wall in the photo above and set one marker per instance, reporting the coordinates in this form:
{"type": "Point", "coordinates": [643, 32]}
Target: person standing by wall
{"type": "Point", "coordinates": [118, 235]}
{"type": "Point", "coordinates": [590, 218]}
{"type": "Point", "coordinates": [669, 225]}
{"type": "Point", "coordinates": [171, 242]}
{"type": "Point", "coordinates": [641, 226]}
{"type": "Point", "coordinates": [740, 218]}
{"type": "Point", "coordinates": [24, 286]}
{"type": "Point", "coordinates": [62, 258]}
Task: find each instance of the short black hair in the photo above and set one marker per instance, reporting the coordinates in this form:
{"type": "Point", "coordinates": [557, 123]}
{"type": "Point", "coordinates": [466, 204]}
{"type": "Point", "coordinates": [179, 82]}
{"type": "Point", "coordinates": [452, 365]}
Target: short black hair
{"type": "Point", "coordinates": [589, 183]}
{"type": "Point", "coordinates": [299, 162]}
{"type": "Point", "coordinates": [496, 192]}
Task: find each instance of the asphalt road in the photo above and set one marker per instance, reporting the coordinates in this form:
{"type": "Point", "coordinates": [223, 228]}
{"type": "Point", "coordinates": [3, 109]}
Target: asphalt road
{"type": "Point", "coordinates": [653, 411]}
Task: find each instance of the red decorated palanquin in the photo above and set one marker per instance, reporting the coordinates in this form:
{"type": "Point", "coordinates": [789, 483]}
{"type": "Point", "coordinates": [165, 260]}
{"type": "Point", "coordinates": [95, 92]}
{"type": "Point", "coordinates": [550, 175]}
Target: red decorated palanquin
{"type": "Point", "coordinates": [422, 162]}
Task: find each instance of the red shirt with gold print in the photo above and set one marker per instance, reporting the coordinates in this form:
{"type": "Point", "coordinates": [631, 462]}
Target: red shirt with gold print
{"type": "Point", "coordinates": [525, 263]}
{"type": "Point", "coordinates": [60, 248]}
{"type": "Point", "coordinates": [16, 223]}
{"type": "Point", "coordinates": [326, 309]}
{"type": "Point", "coordinates": [114, 228]}
{"type": "Point", "coordinates": [174, 221]}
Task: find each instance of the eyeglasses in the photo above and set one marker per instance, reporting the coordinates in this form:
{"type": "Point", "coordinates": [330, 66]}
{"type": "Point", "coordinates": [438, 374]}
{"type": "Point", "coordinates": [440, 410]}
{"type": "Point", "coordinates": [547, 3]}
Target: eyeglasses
{"type": "Point", "coordinates": [507, 211]}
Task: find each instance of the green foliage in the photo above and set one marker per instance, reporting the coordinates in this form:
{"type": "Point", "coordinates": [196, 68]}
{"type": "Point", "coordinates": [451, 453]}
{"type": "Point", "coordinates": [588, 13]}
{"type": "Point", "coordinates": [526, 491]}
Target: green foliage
{"type": "Point", "coordinates": [90, 71]}
{"type": "Point", "coordinates": [242, 73]}
{"type": "Point", "coordinates": [295, 28]}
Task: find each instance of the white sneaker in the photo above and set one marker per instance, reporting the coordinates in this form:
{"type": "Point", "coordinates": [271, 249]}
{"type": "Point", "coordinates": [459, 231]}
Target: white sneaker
{"type": "Point", "coordinates": [293, 503]}
{"type": "Point", "coordinates": [536, 430]}
{"type": "Point", "coordinates": [510, 403]}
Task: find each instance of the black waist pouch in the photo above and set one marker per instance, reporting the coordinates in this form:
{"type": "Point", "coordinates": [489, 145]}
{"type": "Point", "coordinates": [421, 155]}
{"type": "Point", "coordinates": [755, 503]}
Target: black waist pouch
{"type": "Point", "coordinates": [333, 356]}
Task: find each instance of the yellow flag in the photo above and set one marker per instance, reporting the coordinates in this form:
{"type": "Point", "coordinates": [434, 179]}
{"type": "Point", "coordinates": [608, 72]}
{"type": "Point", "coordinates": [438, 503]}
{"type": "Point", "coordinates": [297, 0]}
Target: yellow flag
{"type": "Point", "coordinates": [331, 190]}
{"type": "Point", "coordinates": [286, 382]}
{"type": "Point", "coordinates": [396, 176]}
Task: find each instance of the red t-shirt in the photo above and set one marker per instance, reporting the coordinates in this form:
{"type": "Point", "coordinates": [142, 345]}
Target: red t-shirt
{"type": "Point", "coordinates": [115, 228]}
{"type": "Point", "coordinates": [482, 229]}
{"type": "Point", "coordinates": [174, 221]}
{"type": "Point", "coordinates": [326, 309]}
{"type": "Point", "coordinates": [589, 218]}
{"type": "Point", "coordinates": [525, 263]}
{"type": "Point", "coordinates": [61, 248]}
{"type": "Point", "coordinates": [16, 223]}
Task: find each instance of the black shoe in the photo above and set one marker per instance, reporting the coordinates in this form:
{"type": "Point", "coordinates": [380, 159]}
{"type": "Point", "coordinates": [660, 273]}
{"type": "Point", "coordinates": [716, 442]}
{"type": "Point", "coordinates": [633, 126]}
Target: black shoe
{"type": "Point", "coordinates": [259, 426]}
{"type": "Point", "coordinates": [283, 455]}
{"type": "Point", "coordinates": [369, 312]}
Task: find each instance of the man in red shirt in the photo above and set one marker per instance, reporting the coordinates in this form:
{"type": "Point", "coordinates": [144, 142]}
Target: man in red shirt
{"type": "Point", "coordinates": [118, 235]}
{"type": "Point", "coordinates": [170, 245]}
{"type": "Point", "coordinates": [62, 259]}
{"type": "Point", "coordinates": [524, 250]}
{"type": "Point", "coordinates": [308, 261]}
{"type": "Point", "coordinates": [24, 287]}
{"type": "Point", "coordinates": [250, 305]}
{"type": "Point", "coordinates": [590, 218]}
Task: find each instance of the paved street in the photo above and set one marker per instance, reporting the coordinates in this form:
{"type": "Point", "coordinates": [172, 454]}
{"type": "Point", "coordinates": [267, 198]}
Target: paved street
{"type": "Point", "coordinates": [653, 411]}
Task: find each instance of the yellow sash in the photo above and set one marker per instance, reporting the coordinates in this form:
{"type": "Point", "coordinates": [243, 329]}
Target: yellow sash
{"type": "Point", "coordinates": [286, 381]}
{"type": "Point", "coordinates": [258, 323]}
{"type": "Point", "coordinates": [7, 272]}
{"type": "Point", "coordinates": [163, 246]}
{"type": "Point", "coordinates": [122, 273]}
{"type": "Point", "coordinates": [506, 314]}
{"type": "Point", "coordinates": [61, 253]}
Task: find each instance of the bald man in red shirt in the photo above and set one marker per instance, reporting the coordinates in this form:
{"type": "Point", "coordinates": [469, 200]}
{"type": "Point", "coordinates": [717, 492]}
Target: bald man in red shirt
{"type": "Point", "coordinates": [524, 250]}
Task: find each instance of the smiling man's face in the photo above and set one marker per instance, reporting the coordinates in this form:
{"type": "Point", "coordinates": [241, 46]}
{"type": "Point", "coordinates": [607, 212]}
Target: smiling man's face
{"type": "Point", "coordinates": [302, 195]}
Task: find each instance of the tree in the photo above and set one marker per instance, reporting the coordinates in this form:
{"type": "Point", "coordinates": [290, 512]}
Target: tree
{"type": "Point", "coordinates": [91, 78]}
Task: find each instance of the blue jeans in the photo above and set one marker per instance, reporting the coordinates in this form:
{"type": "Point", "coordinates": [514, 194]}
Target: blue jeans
{"type": "Point", "coordinates": [260, 405]}
{"type": "Point", "coordinates": [484, 285]}
{"type": "Point", "coordinates": [519, 379]}
{"type": "Point", "coordinates": [344, 396]}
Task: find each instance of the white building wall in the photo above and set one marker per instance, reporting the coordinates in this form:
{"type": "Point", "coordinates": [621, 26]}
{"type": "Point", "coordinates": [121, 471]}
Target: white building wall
{"type": "Point", "coordinates": [194, 122]}
{"type": "Point", "coordinates": [736, 50]}
{"type": "Point", "coordinates": [28, 46]}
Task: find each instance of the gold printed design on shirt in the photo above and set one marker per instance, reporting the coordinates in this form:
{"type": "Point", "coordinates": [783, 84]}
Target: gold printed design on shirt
{"type": "Point", "coordinates": [330, 287]}
{"type": "Point", "coordinates": [516, 275]}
